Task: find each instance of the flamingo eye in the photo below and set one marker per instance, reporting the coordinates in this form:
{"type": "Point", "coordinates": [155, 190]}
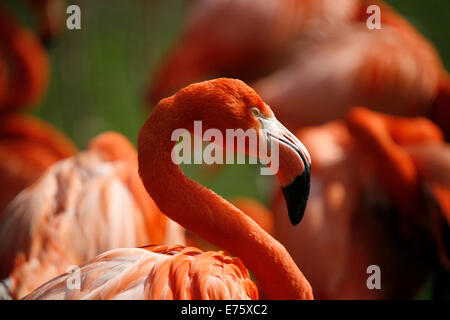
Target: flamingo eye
{"type": "Point", "coordinates": [255, 112]}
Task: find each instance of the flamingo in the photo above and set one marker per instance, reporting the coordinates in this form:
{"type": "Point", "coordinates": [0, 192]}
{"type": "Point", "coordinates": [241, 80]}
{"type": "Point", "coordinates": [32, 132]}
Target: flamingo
{"type": "Point", "coordinates": [82, 206]}
{"type": "Point", "coordinates": [368, 206]}
{"type": "Point", "coordinates": [420, 168]}
{"type": "Point", "coordinates": [176, 272]}
{"type": "Point", "coordinates": [28, 146]}
{"type": "Point", "coordinates": [252, 208]}
{"type": "Point", "coordinates": [241, 38]}
{"type": "Point", "coordinates": [393, 70]}
{"type": "Point", "coordinates": [439, 111]}
{"type": "Point", "coordinates": [24, 65]}
{"type": "Point", "coordinates": [294, 51]}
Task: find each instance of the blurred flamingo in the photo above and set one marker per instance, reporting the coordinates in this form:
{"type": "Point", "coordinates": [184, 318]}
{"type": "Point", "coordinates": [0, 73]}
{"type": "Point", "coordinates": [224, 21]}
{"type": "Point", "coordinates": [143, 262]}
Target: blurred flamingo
{"type": "Point", "coordinates": [243, 39]}
{"type": "Point", "coordinates": [366, 170]}
{"type": "Point", "coordinates": [256, 211]}
{"type": "Point", "coordinates": [419, 181]}
{"type": "Point", "coordinates": [28, 146]}
{"type": "Point", "coordinates": [80, 207]}
{"type": "Point", "coordinates": [175, 272]}
{"type": "Point", "coordinates": [24, 65]}
{"type": "Point", "coordinates": [393, 70]}
{"type": "Point", "coordinates": [294, 51]}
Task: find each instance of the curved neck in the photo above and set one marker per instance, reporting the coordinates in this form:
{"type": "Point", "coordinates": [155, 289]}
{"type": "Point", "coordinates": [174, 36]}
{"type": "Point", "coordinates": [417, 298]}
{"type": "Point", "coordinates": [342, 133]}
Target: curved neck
{"type": "Point", "coordinates": [207, 214]}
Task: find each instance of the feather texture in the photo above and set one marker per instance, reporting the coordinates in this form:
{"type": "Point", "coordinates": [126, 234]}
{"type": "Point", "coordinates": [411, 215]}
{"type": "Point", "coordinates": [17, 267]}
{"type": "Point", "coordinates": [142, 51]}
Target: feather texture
{"type": "Point", "coordinates": [158, 272]}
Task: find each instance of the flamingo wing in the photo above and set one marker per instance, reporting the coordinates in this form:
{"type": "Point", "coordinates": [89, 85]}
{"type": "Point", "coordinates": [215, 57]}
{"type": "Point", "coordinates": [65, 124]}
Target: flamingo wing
{"type": "Point", "coordinates": [241, 38]}
{"type": "Point", "coordinates": [156, 272]}
{"type": "Point", "coordinates": [80, 206]}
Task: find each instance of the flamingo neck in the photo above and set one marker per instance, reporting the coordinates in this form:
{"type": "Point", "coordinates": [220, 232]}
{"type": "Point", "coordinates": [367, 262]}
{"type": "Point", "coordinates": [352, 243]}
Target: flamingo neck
{"type": "Point", "coordinates": [210, 216]}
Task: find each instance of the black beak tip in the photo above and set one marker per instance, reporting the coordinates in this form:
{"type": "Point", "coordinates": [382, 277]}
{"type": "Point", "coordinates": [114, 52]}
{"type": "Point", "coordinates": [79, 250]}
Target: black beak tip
{"type": "Point", "coordinates": [296, 195]}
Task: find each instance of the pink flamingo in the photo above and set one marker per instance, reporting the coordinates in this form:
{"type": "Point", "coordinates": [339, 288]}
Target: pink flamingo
{"type": "Point", "coordinates": [294, 51]}
{"type": "Point", "coordinates": [368, 205]}
{"type": "Point", "coordinates": [24, 65]}
{"type": "Point", "coordinates": [175, 272]}
{"type": "Point", "coordinates": [80, 207]}
{"type": "Point", "coordinates": [28, 146]}
{"type": "Point", "coordinates": [245, 39]}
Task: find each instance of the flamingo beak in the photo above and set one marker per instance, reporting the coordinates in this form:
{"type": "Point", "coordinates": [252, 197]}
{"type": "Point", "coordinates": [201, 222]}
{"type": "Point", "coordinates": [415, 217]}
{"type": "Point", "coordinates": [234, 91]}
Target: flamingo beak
{"type": "Point", "coordinates": [296, 195]}
{"type": "Point", "coordinates": [294, 172]}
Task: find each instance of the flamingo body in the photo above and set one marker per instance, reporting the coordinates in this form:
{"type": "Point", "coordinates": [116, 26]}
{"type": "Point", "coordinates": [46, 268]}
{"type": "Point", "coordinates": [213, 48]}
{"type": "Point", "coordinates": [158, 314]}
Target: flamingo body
{"type": "Point", "coordinates": [80, 207]}
{"type": "Point", "coordinates": [156, 273]}
{"type": "Point", "coordinates": [367, 205]}
{"type": "Point", "coordinates": [295, 51]}
{"type": "Point", "coordinates": [350, 63]}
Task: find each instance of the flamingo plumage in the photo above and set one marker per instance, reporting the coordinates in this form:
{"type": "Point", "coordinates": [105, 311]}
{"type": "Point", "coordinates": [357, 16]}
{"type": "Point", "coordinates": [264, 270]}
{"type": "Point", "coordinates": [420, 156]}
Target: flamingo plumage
{"type": "Point", "coordinates": [245, 39]}
{"type": "Point", "coordinates": [165, 272]}
{"type": "Point", "coordinates": [80, 207]}
{"type": "Point", "coordinates": [316, 49]}
{"type": "Point", "coordinates": [369, 205]}
{"type": "Point", "coordinates": [28, 147]}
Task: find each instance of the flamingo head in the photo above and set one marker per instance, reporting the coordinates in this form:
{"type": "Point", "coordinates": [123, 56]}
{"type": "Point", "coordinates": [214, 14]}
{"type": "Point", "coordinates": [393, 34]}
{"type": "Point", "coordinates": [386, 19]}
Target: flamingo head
{"type": "Point", "coordinates": [229, 105]}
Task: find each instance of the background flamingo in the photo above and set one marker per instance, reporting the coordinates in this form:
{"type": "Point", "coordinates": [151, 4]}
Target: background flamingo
{"type": "Point", "coordinates": [241, 38]}
{"type": "Point", "coordinates": [187, 273]}
{"type": "Point", "coordinates": [394, 70]}
{"type": "Point", "coordinates": [252, 208]}
{"type": "Point", "coordinates": [79, 208]}
{"type": "Point", "coordinates": [28, 146]}
{"type": "Point", "coordinates": [362, 176]}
